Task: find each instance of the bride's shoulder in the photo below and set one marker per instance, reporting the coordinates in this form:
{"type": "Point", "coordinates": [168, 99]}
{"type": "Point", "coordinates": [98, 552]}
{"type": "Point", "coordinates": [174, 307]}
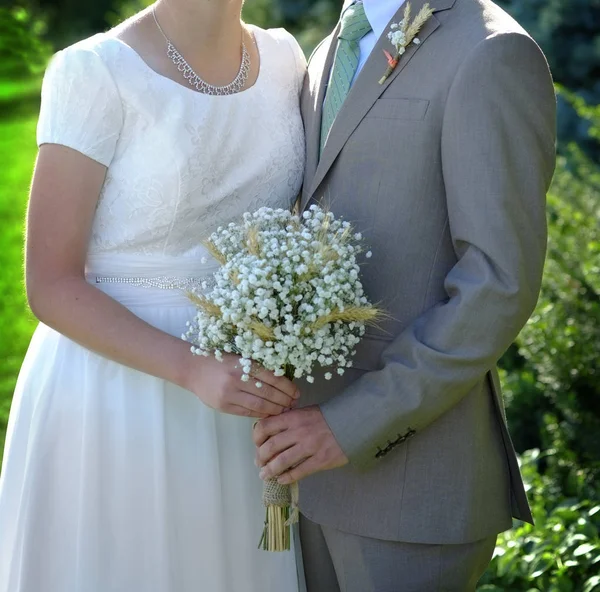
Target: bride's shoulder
{"type": "Point", "coordinates": [90, 58]}
{"type": "Point", "coordinates": [100, 44]}
{"type": "Point", "coordinates": [81, 104]}
{"type": "Point", "coordinates": [281, 38]}
{"type": "Point", "coordinates": [282, 47]}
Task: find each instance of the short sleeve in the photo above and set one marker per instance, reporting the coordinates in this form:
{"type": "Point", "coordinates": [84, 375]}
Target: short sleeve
{"type": "Point", "coordinates": [299, 63]}
{"type": "Point", "coordinates": [81, 107]}
{"type": "Point", "coordinates": [300, 60]}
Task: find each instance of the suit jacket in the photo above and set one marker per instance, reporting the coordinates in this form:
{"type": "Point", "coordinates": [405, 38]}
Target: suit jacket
{"type": "Point", "coordinates": [444, 168]}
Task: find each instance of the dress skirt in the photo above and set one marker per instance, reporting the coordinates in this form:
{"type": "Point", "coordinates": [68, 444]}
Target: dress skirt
{"type": "Point", "coordinates": [116, 481]}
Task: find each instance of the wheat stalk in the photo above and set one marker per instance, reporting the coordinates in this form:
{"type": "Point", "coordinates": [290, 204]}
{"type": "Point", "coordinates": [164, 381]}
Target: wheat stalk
{"type": "Point", "coordinates": [205, 304]}
{"type": "Point", "coordinates": [424, 15]}
{"type": "Point", "coordinates": [406, 18]}
{"type": "Point", "coordinates": [352, 314]}
{"type": "Point", "coordinates": [263, 331]}
{"type": "Point", "coordinates": [252, 241]}
{"type": "Point", "coordinates": [214, 251]}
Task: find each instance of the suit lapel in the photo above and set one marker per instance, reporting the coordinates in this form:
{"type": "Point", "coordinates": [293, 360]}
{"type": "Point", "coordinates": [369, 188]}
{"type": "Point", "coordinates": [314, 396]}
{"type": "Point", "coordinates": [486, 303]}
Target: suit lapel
{"type": "Point", "coordinates": [363, 94]}
{"type": "Point", "coordinates": [315, 95]}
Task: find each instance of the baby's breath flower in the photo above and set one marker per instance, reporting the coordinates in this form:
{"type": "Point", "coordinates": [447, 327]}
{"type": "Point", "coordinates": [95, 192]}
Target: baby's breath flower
{"type": "Point", "coordinates": [271, 300]}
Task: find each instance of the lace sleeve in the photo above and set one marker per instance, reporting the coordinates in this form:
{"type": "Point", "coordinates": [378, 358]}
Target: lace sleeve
{"type": "Point", "coordinates": [81, 106]}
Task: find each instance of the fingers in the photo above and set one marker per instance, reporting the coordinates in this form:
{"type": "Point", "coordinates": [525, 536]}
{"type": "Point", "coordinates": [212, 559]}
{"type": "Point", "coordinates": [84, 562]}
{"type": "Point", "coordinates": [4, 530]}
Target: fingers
{"type": "Point", "coordinates": [278, 389]}
{"type": "Point", "coordinates": [256, 404]}
{"type": "Point", "coordinates": [274, 446]}
{"type": "Point", "coordinates": [268, 392]}
{"type": "Point", "coordinates": [301, 471]}
{"type": "Point", "coordinates": [280, 383]}
{"type": "Point", "coordinates": [243, 412]}
{"type": "Point", "coordinates": [283, 462]}
{"type": "Point", "coordinates": [269, 427]}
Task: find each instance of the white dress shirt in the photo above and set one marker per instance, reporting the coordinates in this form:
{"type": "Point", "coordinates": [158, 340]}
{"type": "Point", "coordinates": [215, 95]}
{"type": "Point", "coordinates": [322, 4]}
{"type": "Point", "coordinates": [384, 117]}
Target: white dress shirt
{"type": "Point", "coordinates": [379, 13]}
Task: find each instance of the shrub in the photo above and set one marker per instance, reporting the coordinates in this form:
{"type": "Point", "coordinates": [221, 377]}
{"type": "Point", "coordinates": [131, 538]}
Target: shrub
{"type": "Point", "coordinates": [22, 47]}
{"type": "Point", "coordinates": [562, 552]}
{"type": "Point", "coordinates": [560, 374]}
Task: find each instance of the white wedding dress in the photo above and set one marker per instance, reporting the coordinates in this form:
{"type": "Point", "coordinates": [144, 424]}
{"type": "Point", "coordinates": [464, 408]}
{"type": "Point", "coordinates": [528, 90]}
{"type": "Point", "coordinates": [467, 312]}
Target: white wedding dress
{"type": "Point", "coordinates": [113, 480]}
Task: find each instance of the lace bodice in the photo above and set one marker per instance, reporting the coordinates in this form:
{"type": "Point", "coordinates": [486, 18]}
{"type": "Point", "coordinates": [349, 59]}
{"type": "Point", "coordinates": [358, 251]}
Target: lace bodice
{"type": "Point", "coordinates": [180, 163]}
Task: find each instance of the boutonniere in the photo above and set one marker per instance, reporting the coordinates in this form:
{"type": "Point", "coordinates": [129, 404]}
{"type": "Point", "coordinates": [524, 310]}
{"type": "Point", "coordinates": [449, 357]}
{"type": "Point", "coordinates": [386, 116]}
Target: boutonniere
{"type": "Point", "coordinates": [404, 33]}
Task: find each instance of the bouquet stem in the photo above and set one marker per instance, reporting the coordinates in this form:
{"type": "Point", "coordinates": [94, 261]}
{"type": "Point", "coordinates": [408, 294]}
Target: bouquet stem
{"type": "Point", "coordinates": [281, 502]}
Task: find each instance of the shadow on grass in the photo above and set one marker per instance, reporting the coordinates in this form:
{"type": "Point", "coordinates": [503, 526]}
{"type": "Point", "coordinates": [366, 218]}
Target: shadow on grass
{"type": "Point", "coordinates": [24, 106]}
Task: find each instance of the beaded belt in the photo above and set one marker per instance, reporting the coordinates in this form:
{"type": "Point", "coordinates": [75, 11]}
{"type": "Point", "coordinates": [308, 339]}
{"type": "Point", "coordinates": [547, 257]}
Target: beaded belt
{"type": "Point", "coordinates": [163, 282]}
{"type": "Point", "coordinates": [143, 280]}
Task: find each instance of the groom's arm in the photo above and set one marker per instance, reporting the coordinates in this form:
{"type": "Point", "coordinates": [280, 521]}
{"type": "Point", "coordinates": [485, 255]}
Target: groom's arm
{"type": "Point", "coordinates": [498, 157]}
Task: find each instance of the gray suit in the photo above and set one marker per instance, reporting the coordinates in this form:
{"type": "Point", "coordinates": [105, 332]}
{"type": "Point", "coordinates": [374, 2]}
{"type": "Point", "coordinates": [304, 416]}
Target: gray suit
{"type": "Point", "coordinates": [444, 169]}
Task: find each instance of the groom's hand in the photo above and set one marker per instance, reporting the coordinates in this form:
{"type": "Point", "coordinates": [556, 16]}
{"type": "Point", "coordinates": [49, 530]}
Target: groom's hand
{"type": "Point", "coordinates": [296, 444]}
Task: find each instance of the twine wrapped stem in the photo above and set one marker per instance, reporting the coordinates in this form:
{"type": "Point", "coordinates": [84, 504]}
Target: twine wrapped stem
{"type": "Point", "coordinates": [281, 503]}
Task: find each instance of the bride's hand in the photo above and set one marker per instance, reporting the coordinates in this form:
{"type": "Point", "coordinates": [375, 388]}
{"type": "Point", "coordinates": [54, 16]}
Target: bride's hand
{"type": "Point", "coordinates": [219, 385]}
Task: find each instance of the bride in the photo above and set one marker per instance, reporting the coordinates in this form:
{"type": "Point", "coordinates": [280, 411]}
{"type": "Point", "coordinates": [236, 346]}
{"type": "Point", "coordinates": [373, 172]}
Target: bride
{"type": "Point", "coordinates": [129, 461]}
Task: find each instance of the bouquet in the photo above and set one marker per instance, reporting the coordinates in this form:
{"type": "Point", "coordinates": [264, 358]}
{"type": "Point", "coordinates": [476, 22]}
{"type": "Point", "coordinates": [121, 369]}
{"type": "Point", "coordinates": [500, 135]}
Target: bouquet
{"type": "Point", "coordinates": [288, 297]}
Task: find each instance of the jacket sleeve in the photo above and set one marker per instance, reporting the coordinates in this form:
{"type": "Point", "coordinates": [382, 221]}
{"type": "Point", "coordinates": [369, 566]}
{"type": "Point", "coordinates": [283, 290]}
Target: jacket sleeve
{"type": "Point", "coordinates": [498, 158]}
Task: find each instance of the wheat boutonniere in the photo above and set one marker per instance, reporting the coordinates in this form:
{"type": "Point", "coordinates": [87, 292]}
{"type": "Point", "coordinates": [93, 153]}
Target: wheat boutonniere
{"type": "Point", "coordinates": [403, 34]}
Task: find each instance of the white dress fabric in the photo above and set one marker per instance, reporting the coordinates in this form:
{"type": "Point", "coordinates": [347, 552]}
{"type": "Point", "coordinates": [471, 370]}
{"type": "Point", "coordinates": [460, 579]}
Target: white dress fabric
{"type": "Point", "coordinates": [114, 480]}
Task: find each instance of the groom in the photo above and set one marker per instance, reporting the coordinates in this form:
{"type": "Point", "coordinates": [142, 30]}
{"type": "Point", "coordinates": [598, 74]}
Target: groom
{"type": "Point", "coordinates": [406, 465]}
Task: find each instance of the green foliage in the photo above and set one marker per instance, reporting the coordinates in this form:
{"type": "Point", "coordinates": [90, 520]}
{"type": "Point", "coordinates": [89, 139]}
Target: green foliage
{"type": "Point", "coordinates": [310, 20]}
{"type": "Point", "coordinates": [22, 47]}
{"type": "Point", "coordinates": [562, 552]}
{"type": "Point", "coordinates": [560, 375]}
{"type": "Point", "coordinates": [71, 20]}
{"type": "Point", "coordinates": [125, 9]}
{"type": "Point", "coordinates": [552, 388]}
{"type": "Point", "coordinates": [569, 34]}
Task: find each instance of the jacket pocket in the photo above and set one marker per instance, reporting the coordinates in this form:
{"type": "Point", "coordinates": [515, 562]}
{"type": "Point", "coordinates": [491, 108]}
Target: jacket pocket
{"type": "Point", "coordinates": [407, 109]}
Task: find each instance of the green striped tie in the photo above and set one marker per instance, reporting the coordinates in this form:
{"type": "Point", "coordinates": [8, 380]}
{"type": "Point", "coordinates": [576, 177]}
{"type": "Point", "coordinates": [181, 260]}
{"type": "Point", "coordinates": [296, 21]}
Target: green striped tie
{"type": "Point", "coordinates": [355, 26]}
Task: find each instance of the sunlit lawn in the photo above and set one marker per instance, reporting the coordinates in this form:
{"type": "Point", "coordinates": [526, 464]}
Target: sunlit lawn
{"type": "Point", "coordinates": [17, 153]}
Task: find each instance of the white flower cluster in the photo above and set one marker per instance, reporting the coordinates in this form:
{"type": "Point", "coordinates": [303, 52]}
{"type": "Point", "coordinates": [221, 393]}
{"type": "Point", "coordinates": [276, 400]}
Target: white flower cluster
{"type": "Point", "coordinates": [397, 37]}
{"type": "Point", "coordinates": [288, 294]}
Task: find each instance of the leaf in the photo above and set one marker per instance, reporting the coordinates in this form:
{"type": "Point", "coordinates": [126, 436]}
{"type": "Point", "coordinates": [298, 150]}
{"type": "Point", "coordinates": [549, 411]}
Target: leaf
{"type": "Point", "coordinates": [574, 538]}
{"type": "Point", "coordinates": [584, 549]}
{"type": "Point", "coordinates": [592, 584]}
{"type": "Point", "coordinates": [542, 565]}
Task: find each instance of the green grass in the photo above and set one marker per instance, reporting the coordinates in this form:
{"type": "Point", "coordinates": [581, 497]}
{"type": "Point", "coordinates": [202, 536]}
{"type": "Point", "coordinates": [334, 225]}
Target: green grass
{"type": "Point", "coordinates": [17, 154]}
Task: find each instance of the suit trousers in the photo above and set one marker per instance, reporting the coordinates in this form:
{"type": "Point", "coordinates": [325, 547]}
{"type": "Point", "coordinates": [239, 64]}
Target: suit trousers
{"type": "Point", "coordinates": [336, 561]}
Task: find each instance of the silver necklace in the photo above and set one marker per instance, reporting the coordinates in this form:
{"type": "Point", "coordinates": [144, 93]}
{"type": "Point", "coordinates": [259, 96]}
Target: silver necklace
{"type": "Point", "coordinates": [194, 80]}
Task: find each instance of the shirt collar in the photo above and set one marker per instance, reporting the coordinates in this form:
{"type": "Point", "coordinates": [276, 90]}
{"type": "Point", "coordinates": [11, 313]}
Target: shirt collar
{"type": "Point", "coordinates": [379, 13]}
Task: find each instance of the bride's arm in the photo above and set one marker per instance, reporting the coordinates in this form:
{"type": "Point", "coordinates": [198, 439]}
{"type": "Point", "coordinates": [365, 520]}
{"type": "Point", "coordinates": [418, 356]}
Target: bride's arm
{"type": "Point", "coordinates": [64, 195]}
